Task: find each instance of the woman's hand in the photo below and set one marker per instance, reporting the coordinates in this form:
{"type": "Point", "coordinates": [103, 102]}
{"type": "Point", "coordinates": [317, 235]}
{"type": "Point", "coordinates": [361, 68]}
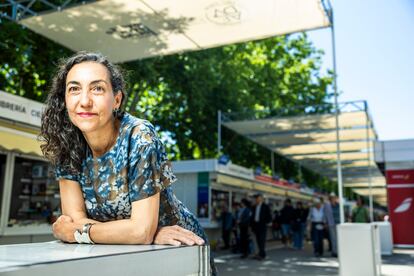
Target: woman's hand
{"type": "Point", "coordinates": [176, 235]}
{"type": "Point", "coordinates": [64, 228]}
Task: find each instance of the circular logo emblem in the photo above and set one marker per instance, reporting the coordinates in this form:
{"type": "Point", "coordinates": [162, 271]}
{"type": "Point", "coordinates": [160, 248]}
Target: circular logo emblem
{"type": "Point", "coordinates": [226, 13]}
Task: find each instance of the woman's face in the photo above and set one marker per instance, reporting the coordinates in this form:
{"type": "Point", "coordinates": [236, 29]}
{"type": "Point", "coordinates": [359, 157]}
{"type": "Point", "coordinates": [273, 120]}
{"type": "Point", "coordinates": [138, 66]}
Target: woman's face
{"type": "Point", "coordinates": [89, 97]}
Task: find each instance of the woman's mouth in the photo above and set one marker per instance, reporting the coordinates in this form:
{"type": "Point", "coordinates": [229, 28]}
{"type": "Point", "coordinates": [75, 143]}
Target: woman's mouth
{"type": "Point", "coordinates": [86, 114]}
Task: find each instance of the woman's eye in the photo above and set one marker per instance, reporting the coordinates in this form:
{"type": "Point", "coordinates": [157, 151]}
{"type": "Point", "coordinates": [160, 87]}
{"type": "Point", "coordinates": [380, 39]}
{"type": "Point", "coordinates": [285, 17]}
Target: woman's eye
{"type": "Point", "coordinates": [98, 89]}
{"type": "Point", "coordinates": [73, 89]}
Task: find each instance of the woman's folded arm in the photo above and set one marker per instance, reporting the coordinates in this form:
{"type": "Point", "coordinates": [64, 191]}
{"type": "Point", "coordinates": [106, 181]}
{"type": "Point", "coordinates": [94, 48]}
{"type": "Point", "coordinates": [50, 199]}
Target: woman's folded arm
{"type": "Point", "coordinates": [140, 228]}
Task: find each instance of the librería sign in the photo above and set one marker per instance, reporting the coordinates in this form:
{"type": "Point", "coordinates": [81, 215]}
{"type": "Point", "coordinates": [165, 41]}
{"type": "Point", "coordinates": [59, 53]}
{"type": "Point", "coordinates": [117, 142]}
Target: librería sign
{"type": "Point", "coordinates": [20, 109]}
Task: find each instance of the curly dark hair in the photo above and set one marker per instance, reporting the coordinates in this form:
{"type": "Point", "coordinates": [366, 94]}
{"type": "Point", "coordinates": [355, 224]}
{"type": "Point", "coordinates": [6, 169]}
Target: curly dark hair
{"type": "Point", "coordinates": [63, 143]}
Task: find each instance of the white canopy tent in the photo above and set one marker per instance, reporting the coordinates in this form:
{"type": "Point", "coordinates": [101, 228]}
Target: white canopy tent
{"type": "Point", "coordinates": [311, 141]}
{"type": "Point", "coordinates": [136, 29]}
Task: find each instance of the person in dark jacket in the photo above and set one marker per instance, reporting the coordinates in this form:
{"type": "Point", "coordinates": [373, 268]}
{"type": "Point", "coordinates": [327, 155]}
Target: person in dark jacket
{"type": "Point", "coordinates": [261, 216]}
{"type": "Point", "coordinates": [226, 226]}
{"type": "Point", "coordinates": [276, 226]}
{"type": "Point", "coordinates": [243, 221]}
{"type": "Point", "coordinates": [236, 232]}
{"type": "Point", "coordinates": [287, 217]}
{"type": "Point", "coordinates": [299, 225]}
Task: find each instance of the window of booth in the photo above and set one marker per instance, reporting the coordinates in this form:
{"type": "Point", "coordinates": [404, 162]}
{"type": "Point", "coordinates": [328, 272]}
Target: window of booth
{"type": "Point", "coordinates": [35, 193]}
{"type": "Point", "coordinates": [219, 199]}
{"type": "Point", "coordinates": [3, 159]}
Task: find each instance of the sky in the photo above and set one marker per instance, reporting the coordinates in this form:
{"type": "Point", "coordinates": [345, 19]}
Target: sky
{"type": "Point", "coordinates": [375, 60]}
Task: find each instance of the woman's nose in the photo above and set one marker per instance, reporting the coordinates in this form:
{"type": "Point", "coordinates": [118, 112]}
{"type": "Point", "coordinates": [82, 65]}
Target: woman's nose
{"type": "Point", "coordinates": [85, 99]}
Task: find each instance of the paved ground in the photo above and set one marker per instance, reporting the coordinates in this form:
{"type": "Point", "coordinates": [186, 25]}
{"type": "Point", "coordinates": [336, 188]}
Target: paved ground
{"type": "Point", "coordinates": [285, 261]}
{"type": "Point", "coordinates": [401, 263]}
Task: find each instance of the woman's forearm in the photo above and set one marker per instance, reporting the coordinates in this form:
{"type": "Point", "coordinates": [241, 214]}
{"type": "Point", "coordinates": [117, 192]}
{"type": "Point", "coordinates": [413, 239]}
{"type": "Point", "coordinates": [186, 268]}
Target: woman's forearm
{"type": "Point", "coordinates": [139, 228]}
{"type": "Point", "coordinates": [125, 231]}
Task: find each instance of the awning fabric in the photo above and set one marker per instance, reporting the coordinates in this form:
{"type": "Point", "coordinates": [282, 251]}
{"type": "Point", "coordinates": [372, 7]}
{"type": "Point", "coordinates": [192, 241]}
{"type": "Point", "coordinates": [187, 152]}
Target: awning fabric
{"type": "Point", "coordinates": [134, 29]}
{"type": "Point", "coordinates": [18, 141]}
{"type": "Point", "coordinates": [310, 140]}
{"type": "Point", "coordinates": [256, 186]}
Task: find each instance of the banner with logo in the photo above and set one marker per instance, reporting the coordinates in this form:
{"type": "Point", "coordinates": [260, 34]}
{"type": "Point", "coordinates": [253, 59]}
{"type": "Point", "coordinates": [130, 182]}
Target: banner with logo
{"type": "Point", "coordinates": [400, 188]}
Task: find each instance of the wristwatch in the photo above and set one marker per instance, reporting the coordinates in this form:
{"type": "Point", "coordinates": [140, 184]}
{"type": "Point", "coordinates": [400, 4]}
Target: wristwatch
{"type": "Point", "coordinates": [83, 236]}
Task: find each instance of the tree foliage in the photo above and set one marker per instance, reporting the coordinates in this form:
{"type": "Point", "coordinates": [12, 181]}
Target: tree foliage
{"type": "Point", "coordinates": [182, 93]}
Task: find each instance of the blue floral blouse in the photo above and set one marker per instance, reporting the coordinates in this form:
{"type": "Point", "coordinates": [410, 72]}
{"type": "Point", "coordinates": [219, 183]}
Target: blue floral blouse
{"type": "Point", "coordinates": [135, 168]}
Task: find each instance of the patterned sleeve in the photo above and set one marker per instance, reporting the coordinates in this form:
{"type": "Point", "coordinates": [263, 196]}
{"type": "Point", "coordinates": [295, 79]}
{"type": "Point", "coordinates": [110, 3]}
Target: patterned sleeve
{"type": "Point", "coordinates": [63, 174]}
{"type": "Point", "coordinates": [149, 169]}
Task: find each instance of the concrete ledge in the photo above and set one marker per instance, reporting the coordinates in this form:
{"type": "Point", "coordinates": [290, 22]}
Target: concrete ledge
{"type": "Point", "coordinates": [57, 258]}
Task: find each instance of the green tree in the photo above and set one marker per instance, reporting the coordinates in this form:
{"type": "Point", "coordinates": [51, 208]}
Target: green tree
{"type": "Point", "coordinates": [182, 93]}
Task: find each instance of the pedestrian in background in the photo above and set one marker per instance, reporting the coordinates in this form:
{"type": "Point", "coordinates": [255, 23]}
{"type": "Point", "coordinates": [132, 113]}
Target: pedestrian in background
{"type": "Point", "coordinates": [317, 223]}
{"type": "Point", "coordinates": [326, 230]}
{"type": "Point", "coordinates": [299, 225]}
{"type": "Point", "coordinates": [226, 226]}
{"type": "Point", "coordinates": [360, 212]}
{"type": "Point", "coordinates": [261, 217]}
{"type": "Point", "coordinates": [331, 213]}
{"type": "Point", "coordinates": [287, 217]}
{"type": "Point", "coordinates": [236, 233]}
{"type": "Point", "coordinates": [243, 221]}
{"type": "Point", "coordinates": [276, 226]}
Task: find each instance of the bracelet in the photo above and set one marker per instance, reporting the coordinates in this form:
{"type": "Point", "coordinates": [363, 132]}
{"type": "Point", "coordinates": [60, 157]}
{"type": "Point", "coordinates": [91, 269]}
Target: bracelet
{"type": "Point", "coordinates": [83, 236]}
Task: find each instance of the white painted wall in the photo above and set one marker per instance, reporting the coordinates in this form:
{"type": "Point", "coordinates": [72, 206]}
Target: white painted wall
{"type": "Point", "coordinates": [185, 188]}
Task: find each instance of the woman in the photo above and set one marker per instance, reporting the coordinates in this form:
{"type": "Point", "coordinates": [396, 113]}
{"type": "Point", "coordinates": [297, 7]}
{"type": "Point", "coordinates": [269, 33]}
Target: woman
{"type": "Point", "coordinates": [113, 173]}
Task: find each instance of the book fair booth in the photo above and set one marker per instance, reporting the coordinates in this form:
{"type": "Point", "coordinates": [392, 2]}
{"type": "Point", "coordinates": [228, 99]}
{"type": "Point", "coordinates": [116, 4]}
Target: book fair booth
{"type": "Point", "coordinates": [29, 191]}
{"type": "Point", "coordinates": [396, 159]}
{"type": "Point", "coordinates": [207, 186]}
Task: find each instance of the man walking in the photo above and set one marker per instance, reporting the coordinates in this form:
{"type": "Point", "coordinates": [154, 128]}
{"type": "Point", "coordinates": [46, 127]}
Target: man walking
{"type": "Point", "coordinates": [299, 225]}
{"type": "Point", "coordinates": [316, 218]}
{"type": "Point", "coordinates": [261, 217]}
{"type": "Point", "coordinates": [331, 213]}
{"type": "Point", "coordinates": [360, 213]}
{"type": "Point", "coordinates": [227, 223]}
{"type": "Point", "coordinates": [243, 221]}
{"type": "Point", "coordinates": [287, 217]}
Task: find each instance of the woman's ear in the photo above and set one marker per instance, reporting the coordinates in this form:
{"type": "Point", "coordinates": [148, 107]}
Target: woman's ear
{"type": "Point", "coordinates": [118, 99]}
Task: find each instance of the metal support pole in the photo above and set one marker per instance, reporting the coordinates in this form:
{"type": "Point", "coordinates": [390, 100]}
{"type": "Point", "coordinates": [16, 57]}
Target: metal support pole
{"type": "Point", "coordinates": [218, 133]}
{"type": "Point", "coordinates": [272, 162]}
{"type": "Point", "coordinates": [7, 191]}
{"type": "Point", "coordinates": [371, 205]}
{"type": "Point", "coordinates": [338, 148]}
